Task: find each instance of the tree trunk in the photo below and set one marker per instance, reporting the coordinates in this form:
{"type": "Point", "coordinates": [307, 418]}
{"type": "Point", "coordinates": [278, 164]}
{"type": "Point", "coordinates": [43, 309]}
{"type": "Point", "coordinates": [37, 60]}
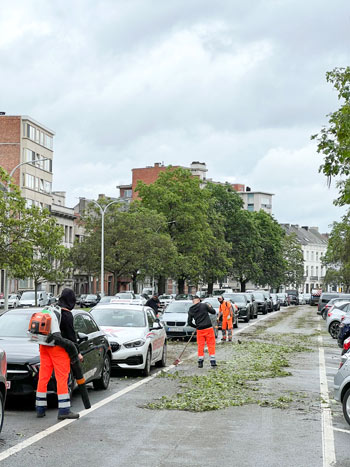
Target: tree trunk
{"type": "Point", "coordinates": [210, 288]}
{"type": "Point", "coordinates": [161, 285]}
{"type": "Point", "coordinates": [243, 283]}
{"type": "Point", "coordinates": [115, 283]}
{"type": "Point", "coordinates": [181, 285]}
{"type": "Point", "coordinates": [36, 293]}
{"type": "Point", "coordinates": [134, 281]}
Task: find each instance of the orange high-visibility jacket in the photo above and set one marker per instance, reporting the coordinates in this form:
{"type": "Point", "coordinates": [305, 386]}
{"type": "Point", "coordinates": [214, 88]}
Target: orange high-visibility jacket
{"type": "Point", "coordinates": [226, 309]}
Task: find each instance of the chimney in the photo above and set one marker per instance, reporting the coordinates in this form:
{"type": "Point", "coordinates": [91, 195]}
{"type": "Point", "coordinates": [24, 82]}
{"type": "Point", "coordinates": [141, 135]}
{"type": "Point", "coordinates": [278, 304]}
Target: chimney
{"type": "Point", "coordinates": [305, 227]}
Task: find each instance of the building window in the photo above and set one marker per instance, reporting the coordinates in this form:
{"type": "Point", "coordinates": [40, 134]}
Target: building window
{"type": "Point", "coordinates": [316, 255]}
{"type": "Point", "coordinates": [127, 193]}
{"type": "Point", "coordinates": [250, 207]}
{"type": "Point", "coordinates": [70, 234]}
{"type": "Point", "coordinates": [317, 271]}
{"type": "Point", "coordinates": [307, 271]}
{"type": "Point", "coordinates": [312, 270]}
{"type": "Point", "coordinates": [312, 256]}
{"type": "Point", "coordinates": [29, 181]}
{"type": "Point", "coordinates": [250, 198]}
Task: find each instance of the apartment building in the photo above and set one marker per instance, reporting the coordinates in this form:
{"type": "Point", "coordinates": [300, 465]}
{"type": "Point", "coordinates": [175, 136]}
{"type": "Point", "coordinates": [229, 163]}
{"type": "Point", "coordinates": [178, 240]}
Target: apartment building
{"type": "Point", "coordinates": [314, 246]}
{"type": "Point", "coordinates": [256, 200]}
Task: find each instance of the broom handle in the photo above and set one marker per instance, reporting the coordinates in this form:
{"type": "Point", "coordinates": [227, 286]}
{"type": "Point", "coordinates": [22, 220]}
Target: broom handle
{"type": "Point", "coordinates": [181, 354]}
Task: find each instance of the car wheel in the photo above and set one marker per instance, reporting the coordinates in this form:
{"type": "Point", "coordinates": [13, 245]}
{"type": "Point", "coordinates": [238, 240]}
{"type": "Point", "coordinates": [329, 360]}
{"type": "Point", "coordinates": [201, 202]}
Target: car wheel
{"type": "Point", "coordinates": [162, 363]}
{"type": "Point", "coordinates": [264, 311]}
{"type": "Point", "coordinates": [346, 406]}
{"type": "Point", "coordinates": [235, 324]}
{"type": "Point", "coordinates": [2, 404]}
{"type": "Point", "coordinates": [103, 381]}
{"type": "Point", "coordinates": [334, 329]}
{"type": "Point", "coordinates": [324, 314]}
{"type": "Point", "coordinates": [147, 370]}
{"type": "Point", "coordinates": [246, 319]}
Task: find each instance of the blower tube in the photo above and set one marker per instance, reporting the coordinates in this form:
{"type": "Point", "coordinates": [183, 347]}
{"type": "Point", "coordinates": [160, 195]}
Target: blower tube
{"type": "Point", "coordinates": [77, 371]}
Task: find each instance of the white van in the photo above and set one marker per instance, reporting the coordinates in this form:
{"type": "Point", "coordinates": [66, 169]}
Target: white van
{"type": "Point", "coordinates": [28, 298]}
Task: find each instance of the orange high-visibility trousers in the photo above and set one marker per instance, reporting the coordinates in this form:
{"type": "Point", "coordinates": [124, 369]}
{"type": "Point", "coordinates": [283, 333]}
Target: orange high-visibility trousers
{"type": "Point", "coordinates": [53, 358]}
{"type": "Point", "coordinates": [227, 323]}
{"type": "Point", "coordinates": [206, 336]}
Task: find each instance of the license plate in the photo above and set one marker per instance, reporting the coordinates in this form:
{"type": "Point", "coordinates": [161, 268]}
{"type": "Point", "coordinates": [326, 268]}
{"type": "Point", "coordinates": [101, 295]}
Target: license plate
{"type": "Point", "coordinates": [175, 329]}
{"type": "Point", "coordinates": [8, 384]}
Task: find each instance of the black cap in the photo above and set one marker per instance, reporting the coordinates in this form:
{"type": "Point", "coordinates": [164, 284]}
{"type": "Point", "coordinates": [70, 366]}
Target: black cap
{"type": "Point", "coordinates": [67, 299]}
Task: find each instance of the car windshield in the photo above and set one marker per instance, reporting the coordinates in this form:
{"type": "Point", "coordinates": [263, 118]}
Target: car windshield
{"type": "Point", "coordinates": [12, 297]}
{"type": "Point", "coordinates": [235, 297]}
{"type": "Point", "coordinates": [165, 297]}
{"type": "Point", "coordinates": [124, 295]}
{"type": "Point", "coordinates": [28, 296]}
{"type": "Point", "coordinates": [14, 324]}
{"type": "Point", "coordinates": [214, 302]}
{"type": "Point", "coordinates": [119, 317]}
{"type": "Point", "coordinates": [176, 307]}
{"type": "Point", "coordinates": [281, 295]}
{"type": "Point", "coordinates": [259, 296]}
{"type": "Point", "coordinates": [91, 297]}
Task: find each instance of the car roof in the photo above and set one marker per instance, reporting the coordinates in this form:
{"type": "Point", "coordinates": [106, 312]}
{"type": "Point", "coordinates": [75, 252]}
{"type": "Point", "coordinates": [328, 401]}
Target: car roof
{"type": "Point", "coordinates": [125, 306]}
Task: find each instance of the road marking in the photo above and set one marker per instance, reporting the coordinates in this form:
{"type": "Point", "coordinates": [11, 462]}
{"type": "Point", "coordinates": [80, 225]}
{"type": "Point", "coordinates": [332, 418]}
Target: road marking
{"type": "Point", "coordinates": [341, 430]}
{"type": "Point", "coordinates": [328, 450]}
{"type": "Point", "coordinates": [58, 426]}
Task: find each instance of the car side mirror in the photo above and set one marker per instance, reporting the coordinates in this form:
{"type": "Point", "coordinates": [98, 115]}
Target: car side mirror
{"type": "Point", "coordinates": [82, 337]}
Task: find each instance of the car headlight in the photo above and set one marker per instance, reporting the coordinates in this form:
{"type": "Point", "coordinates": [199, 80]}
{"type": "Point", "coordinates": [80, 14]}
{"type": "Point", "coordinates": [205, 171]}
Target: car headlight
{"type": "Point", "coordinates": [132, 344]}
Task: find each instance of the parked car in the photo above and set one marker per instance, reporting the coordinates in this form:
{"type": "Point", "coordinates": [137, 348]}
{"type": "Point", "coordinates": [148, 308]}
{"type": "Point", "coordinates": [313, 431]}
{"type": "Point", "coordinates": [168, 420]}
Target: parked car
{"type": "Point", "coordinates": [315, 296]}
{"type": "Point", "coordinates": [13, 300]}
{"type": "Point", "coordinates": [253, 303]}
{"type": "Point", "coordinates": [276, 304]}
{"type": "Point", "coordinates": [129, 298]}
{"type": "Point", "coordinates": [165, 300]}
{"type": "Point", "coordinates": [106, 299]}
{"type": "Point", "coordinates": [241, 300]}
{"type": "Point", "coordinates": [51, 298]}
{"type": "Point", "coordinates": [183, 296]}
{"type": "Point", "coordinates": [261, 301]}
{"type": "Point", "coordinates": [324, 299]}
{"type": "Point", "coordinates": [174, 319]}
{"type": "Point", "coordinates": [23, 359]}
{"type": "Point", "coordinates": [333, 302]}
{"type": "Point", "coordinates": [293, 296]}
{"type": "Point", "coordinates": [267, 295]}
{"type": "Point", "coordinates": [344, 331]}
{"type": "Point", "coordinates": [325, 305]}
{"type": "Point", "coordinates": [341, 385]}
{"type": "Point", "coordinates": [136, 337]}
{"type": "Point", "coordinates": [28, 299]}
{"type": "Point", "coordinates": [221, 291]}
{"type": "Point", "coordinates": [307, 298]}
{"type": "Point", "coordinates": [3, 385]}
{"type": "Point", "coordinates": [334, 316]}
{"type": "Point", "coordinates": [89, 301]}
{"type": "Point", "coordinates": [79, 298]}
{"type": "Point", "coordinates": [283, 298]}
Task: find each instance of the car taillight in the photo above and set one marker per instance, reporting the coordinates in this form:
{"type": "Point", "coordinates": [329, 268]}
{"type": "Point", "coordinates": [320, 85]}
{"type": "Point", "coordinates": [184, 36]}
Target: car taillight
{"type": "Point", "coordinates": [341, 364]}
{"type": "Point", "coordinates": [346, 344]}
{"type": "Point", "coordinates": [329, 314]}
{"type": "Point", "coordinates": [342, 318]}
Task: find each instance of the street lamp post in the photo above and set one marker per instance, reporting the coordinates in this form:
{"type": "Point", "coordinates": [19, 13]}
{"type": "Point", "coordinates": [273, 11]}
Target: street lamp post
{"type": "Point", "coordinates": [6, 298]}
{"type": "Point", "coordinates": [103, 212]}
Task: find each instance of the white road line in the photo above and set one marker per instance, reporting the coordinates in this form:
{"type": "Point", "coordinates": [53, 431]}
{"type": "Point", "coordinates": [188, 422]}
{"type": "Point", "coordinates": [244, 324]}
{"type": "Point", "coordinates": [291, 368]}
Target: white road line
{"type": "Point", "coordinates": [341, 430]}
{"type": "Point", "coordinates": [52, 429]}
{"type": "Point", "coordinates": [328, 449]}
{"type": "Point", "coordinates": [58, 426]}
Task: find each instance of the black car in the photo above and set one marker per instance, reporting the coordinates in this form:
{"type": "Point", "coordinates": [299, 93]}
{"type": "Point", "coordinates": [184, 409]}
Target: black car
{"type": "Point", "coordinates": [241, 300]}
{"type": "Point", "coordinates": [261, 301]}
{"type": "Point", "coordinates": [293, 297]}
{"type": "Point", "coordinates": [23, 360]}
{"type": "Point", "coordinates": [89, 301]}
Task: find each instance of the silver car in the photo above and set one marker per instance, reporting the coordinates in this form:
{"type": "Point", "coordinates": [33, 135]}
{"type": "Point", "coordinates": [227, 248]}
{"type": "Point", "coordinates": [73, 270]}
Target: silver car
{"type": "Point", "coordinates": [342, 385]}
{"type": "Point", "coordinates": [174, 319]}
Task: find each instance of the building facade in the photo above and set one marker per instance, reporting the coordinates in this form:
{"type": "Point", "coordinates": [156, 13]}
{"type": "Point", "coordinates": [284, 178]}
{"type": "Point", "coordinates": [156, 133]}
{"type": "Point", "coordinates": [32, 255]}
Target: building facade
{"type": "Point", "coordinates": [256, 200]}
{"type": "Point", "coordinates": [314, 246]}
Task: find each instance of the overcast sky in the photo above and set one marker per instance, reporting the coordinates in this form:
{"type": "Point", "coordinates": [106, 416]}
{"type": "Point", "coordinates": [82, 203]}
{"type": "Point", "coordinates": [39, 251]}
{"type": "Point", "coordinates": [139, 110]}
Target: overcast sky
{"type": "Point", "coordinates": [126, 83]}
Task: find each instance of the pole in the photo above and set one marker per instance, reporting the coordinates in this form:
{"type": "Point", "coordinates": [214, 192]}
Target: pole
{"type": "Point", "coordinates": [103, 212]}
{"type": "Point", "coordinates": [6, 298]}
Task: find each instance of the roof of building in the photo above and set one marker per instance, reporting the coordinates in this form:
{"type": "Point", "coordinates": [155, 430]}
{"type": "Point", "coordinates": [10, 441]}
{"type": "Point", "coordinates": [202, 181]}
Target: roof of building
{"type": "Point", "coordinates": [306, 235]}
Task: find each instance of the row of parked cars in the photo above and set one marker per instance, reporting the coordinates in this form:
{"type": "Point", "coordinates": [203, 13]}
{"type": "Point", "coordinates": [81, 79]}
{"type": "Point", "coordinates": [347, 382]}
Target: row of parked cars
{"type": "Point", "coordinates": [27, 299]}
{"type": "Point", "coordinates": [335, 310]}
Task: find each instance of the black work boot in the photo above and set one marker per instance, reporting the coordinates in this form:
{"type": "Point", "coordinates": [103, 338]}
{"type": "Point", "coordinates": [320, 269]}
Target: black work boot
{"type": "Point", "coordinates": [200, 363]}
{"type": "Point", "coordinates": [70, 415]}
{"type": "Point", "coordinates": [213, 363]}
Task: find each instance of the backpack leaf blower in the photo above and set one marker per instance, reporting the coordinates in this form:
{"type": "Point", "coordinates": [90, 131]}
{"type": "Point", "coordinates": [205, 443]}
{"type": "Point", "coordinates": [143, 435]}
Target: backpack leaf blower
{"type": "Point", "coordinates": [44, 328]}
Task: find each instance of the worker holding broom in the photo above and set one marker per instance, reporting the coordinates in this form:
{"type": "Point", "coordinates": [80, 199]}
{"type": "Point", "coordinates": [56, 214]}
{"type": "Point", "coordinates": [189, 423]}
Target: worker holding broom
{"type": "Point", "coordinates": [198, 318]}
{"type": "Point", "coordinates": [226, 314]}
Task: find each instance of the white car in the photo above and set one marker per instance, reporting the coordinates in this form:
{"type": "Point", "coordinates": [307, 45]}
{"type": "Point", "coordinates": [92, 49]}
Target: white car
{"type": "Point", "coordinates": [137, 339]}
{"type": "Point", "coordinates": [165, 300]}
{"type": "Point", "coordinates": [13, 300]}
{"type": "Point", "coordinates": [334, 317]}
{"type": "Point", "coordinates": [129, 298]}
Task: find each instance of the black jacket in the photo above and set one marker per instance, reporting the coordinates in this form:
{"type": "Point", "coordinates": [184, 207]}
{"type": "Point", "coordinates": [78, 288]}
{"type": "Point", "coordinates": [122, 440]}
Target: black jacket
{"type": "Point", "coordinates": [198, 316]}
{"type": "Point", "coordinates": [154, 304]}
{"type": "Point", "coordinates": [66, 326]}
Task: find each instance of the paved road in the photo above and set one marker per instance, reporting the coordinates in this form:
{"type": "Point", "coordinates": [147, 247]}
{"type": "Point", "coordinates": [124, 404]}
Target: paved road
{"type": "Point", "coordinates": [119, 431]}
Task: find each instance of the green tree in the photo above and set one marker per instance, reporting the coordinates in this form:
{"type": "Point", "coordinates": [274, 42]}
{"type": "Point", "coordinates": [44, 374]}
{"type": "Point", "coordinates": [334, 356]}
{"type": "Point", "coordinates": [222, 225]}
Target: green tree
{"type": "Point", "coordinates": [334, 139]}
{"type": "Point", "coordinates": [272, 264]}
{"type": "Point", "coordinates": [47, 257]}
{"type": "Point", "coordinates": [178, 196]}
{"type": "Point", "coordinates": [294, 261]}
{"type": "Point", "coordinates": [337, 257]}
{"type": "Point", "coordinates": [136, 243]}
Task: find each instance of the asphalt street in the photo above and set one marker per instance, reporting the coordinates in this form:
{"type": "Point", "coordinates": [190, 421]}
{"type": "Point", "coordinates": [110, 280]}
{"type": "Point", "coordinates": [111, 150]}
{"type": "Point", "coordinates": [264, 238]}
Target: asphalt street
{"type": "Point", "coordinates": [119, 430]}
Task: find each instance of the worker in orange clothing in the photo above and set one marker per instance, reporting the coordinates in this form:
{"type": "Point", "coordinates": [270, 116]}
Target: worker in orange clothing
{"type": "Point", "coordinates": [198, 318]}
{"type": "Point", "coordinates": [226, 313]}
{"type": "Point", "coordinates": [55, 358]}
